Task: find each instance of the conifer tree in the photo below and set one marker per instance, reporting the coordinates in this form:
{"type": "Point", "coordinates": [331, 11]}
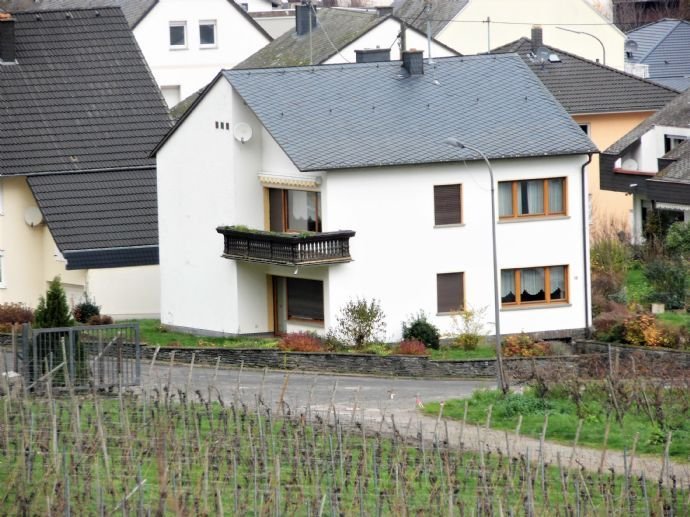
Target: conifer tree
{"type": "Point", "coordinates": [53, 310]}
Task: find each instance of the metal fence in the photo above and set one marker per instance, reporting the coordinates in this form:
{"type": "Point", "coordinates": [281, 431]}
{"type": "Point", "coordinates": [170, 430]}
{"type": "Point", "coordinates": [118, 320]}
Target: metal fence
{"type": "Point", "coordinates": [88, 357]}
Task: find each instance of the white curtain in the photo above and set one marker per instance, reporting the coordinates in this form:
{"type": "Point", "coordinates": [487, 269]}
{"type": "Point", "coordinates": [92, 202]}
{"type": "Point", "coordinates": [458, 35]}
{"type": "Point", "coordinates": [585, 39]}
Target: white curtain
{"type": "Point", "coordinates": [557, 280]}
{"type": "Point", "coordinates": [505, 199]}
{"type": "Point", "coordinates": [532, 280]}
{"type": "Point", "coordinates": [508, 284]}
{"type": "Point", "coordinates": [531, 198]}
{"type": "Point", "coordinates": [556, 196]}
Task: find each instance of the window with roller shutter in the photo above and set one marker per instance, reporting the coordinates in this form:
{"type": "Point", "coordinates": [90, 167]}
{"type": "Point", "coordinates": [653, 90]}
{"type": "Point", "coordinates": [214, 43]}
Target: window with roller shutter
{"type": "Point", "coordinates": [447, 204]}
{"type": "Point", "coordinates": [450, 292]}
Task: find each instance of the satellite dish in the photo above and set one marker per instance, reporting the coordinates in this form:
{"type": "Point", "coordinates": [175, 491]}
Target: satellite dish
{"type": "Point", "coordinates": [542, 54]}
{"type": "Point", "coordinates": [629, 164]}
{"type": "Point", "coordinates": [630, 45]}
{"type": "Point", "coordinates": [33, 216]}
{"type": "Point", "coordinates": [243, 132]}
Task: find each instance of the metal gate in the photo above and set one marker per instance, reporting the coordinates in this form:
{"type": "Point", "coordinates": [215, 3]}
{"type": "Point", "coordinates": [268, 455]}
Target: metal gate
{"type": "Point", "coordinates": [88, 357]}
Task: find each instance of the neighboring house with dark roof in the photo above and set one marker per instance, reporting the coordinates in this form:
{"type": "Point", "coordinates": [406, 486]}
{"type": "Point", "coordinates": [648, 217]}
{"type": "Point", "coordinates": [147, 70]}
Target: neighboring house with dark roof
{"type": "Point", "coordinates": [184, 43]}
{"type": "Point", "coordinates": [346, 188]}
{"type": "Point", "coordinates": [662, 53]}
{"type": "Point", "coordinates": [477, 26]}
{"type": "Point", "coordinates": [606, 102]}
{"type": "Point", "coordinates": [652, 163]}
{"type": "Point", "coordinates": [337, 35]}
{"type": "Point", "coordinates": [80, 115]}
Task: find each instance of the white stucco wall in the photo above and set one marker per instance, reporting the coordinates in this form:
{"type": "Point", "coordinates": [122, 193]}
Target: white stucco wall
{"type": "Point", "coordinates": [276, 25]}
{"type": "Point", "coordinates": [397, 251]}
{"type": "Point", "coordinates": [385, 34]}
{"type": "Point", "coordinates": [126, 292]}
{"type": "Point", "coordinates": [469, 34]}
{"type": "Point", "coordinates": [193, 67]}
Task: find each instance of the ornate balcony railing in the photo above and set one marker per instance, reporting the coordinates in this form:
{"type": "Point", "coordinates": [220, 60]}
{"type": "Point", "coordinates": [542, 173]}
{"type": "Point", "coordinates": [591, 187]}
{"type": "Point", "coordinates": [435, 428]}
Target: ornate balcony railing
{"type": "Point", "coordinates": [286, 248]}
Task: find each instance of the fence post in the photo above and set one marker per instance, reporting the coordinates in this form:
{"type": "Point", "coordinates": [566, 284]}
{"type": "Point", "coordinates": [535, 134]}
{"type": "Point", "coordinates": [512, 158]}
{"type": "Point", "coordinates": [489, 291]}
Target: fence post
{"type": "Point", "coordinates": [15, 359]}
{"type": "Point", "coordinates": [137, 351]}
{"type": "Point", "coordinates": [72, 364]}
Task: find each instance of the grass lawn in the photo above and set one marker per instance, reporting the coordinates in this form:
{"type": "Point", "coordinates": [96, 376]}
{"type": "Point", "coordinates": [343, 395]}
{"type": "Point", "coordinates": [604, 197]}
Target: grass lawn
{"type": "Point", "coordinates": [563, 419]}
{"type": "Point", "coordinates": [483, 351]}
{"type": "Point", "coordinates": [680, 318]}
{"type": "Point", "coordinates": [153, 334]}
{"type": "Point", "coordinates": [636, 285]}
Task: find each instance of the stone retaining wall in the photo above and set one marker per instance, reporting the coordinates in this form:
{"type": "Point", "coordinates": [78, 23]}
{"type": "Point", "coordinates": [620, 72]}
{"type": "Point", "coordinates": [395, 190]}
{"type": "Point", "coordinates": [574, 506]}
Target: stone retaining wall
{"type": "Point", "coordinates": [678, 358]}
{"type": "Point", "coordinates": [362, 364]}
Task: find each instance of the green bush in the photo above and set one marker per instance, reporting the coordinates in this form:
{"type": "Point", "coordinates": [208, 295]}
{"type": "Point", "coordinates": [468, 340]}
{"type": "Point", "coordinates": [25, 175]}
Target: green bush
{"type": "Point", "coordinates": [678, 239]}
{"type": "Point", "coordinates": [360, 322]}
{"type": "Point", "coordinates": [381, 349]}
{"type": "Point", "coordinates": [514, 404]}
{"type": "Point", "coordinates": [86, 309]}
{"type": "Point", "coordinates": [669, 281]}
{"type": "Point", "coordinates": [469, 328]}
{"type": "Point", "coordinates": [52, 310]}
{"type": "Point", "coordinates": [420, 329]}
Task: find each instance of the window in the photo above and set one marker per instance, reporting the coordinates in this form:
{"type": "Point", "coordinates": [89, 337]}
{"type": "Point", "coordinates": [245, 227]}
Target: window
{"type": "Point", "coordinates": [672, 141]}
{"type": "Point", "coordinates": [304, 299]}
{"type": "Point", "coordinates": [178, 35]}
{"type": "Point", "coordinates": [585, 128]}
{"type": "Point", "coordinates": [531, 198]}
{"type": "Point", "coordinates": [207, 34]}
{"type": "Point", "coordinates": [447, 204]}
{"type": "Point", "coordinates": [294, 210]}
{"type": "Point", "coordinates": [450, 292]}
{"type": "Point", "coordinates": [534, 285]}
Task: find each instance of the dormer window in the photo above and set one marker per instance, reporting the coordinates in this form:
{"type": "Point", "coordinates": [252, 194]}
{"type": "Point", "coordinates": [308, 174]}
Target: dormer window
{"type": "Point", "coordinates": [673, 141]}
{"type": "Point", "coordinates": [178, 35]}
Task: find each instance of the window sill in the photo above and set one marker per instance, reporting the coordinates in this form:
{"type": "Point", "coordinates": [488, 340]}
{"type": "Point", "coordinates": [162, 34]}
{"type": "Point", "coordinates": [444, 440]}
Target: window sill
{"type": "Point", "coordinates": [456, 225]}
{"type": "Point", "coordinates": [207, 47]}
{"type": "Point", "coordinates": [454, 313]}
{"type": "Point", "coordinates": [528, 306]}
{"type": "Point", "coordinates": [177, 48]}
{"type": "Point", "coordinates": [304, 321]}
{"type": "Point", "coordinates": [509, 220]}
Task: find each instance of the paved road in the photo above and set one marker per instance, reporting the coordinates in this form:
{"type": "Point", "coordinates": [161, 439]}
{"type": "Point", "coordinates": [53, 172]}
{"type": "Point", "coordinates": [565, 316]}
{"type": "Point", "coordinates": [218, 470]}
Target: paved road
{"type": "Point", "coordinates": [374, 396]}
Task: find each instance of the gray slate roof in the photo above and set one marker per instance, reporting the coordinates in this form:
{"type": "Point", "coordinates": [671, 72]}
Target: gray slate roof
{"type": "Point", "coordinates": [367, 115]}
{"type": "Point", "coordinates": [583, 86]}
{"type": "Point", "coordinates": [111, 209]}
{"type": "Point", "coordinates": [442, 11]}
{"type": "Point", "coordinates": [134, 10]}
{"type": "Point", "coordinates": [80, 96]}
{"type": "Point", "coordinates": [80, 101]}
{"type": "Point", "coordinates": [665, 47]}
{"type": "Point", "coordinates": [340, 25]}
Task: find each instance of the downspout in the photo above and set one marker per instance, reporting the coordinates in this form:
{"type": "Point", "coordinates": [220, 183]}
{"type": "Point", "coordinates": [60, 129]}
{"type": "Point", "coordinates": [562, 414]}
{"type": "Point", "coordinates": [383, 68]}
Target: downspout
{"type": "Point", "coordinates": [585, 260]}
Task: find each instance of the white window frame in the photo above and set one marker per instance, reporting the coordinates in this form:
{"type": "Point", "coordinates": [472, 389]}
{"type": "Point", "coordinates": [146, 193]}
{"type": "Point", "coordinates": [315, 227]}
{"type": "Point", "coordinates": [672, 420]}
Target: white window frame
{"type": "Point", "coordinates": [182, 24]}
{"type": "Point", "coordinates": [213, 23]}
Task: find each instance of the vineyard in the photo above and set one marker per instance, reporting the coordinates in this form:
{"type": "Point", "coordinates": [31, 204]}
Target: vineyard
{"type": "Point", "coordinates": [169, 452]}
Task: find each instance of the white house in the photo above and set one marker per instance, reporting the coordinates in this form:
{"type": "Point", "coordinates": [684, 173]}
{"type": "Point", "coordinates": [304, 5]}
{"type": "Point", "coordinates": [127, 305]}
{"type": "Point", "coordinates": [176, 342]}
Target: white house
{"type": "Point", "coordinates": [184, 42]}
{"type": "Point", "coordinates": [652, 164]}
{"type": "Point", "coordinates": [474, 26]}
{"type": "Point", "coordinates": [326, 36]}
{"type": "Point", "coordinates": [346, 189]}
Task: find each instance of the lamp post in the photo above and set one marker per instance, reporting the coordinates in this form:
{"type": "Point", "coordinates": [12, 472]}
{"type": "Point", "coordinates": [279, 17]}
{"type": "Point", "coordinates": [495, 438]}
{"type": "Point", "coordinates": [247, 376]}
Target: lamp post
{"type": "Point", "coordinates": [500, 375]}
{"type": "Point", "coordinates": [603, 48]}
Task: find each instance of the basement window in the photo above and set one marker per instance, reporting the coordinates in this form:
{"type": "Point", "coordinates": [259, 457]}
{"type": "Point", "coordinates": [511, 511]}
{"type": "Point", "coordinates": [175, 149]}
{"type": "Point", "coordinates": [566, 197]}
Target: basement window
{"type": "Point", "coordinates": [178, 35]}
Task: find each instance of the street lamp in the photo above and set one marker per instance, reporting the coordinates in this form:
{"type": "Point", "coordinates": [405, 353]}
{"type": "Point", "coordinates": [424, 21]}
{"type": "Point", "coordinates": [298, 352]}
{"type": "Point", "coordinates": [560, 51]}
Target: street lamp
{"type": "Point", "coordinates": [603, 48]}
{"type": "Point", "coordinates": [500, 375]}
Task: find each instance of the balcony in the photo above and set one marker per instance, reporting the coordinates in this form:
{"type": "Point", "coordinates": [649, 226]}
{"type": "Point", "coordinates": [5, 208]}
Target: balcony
{"type": "Point", "coordinates": [288, 249]}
